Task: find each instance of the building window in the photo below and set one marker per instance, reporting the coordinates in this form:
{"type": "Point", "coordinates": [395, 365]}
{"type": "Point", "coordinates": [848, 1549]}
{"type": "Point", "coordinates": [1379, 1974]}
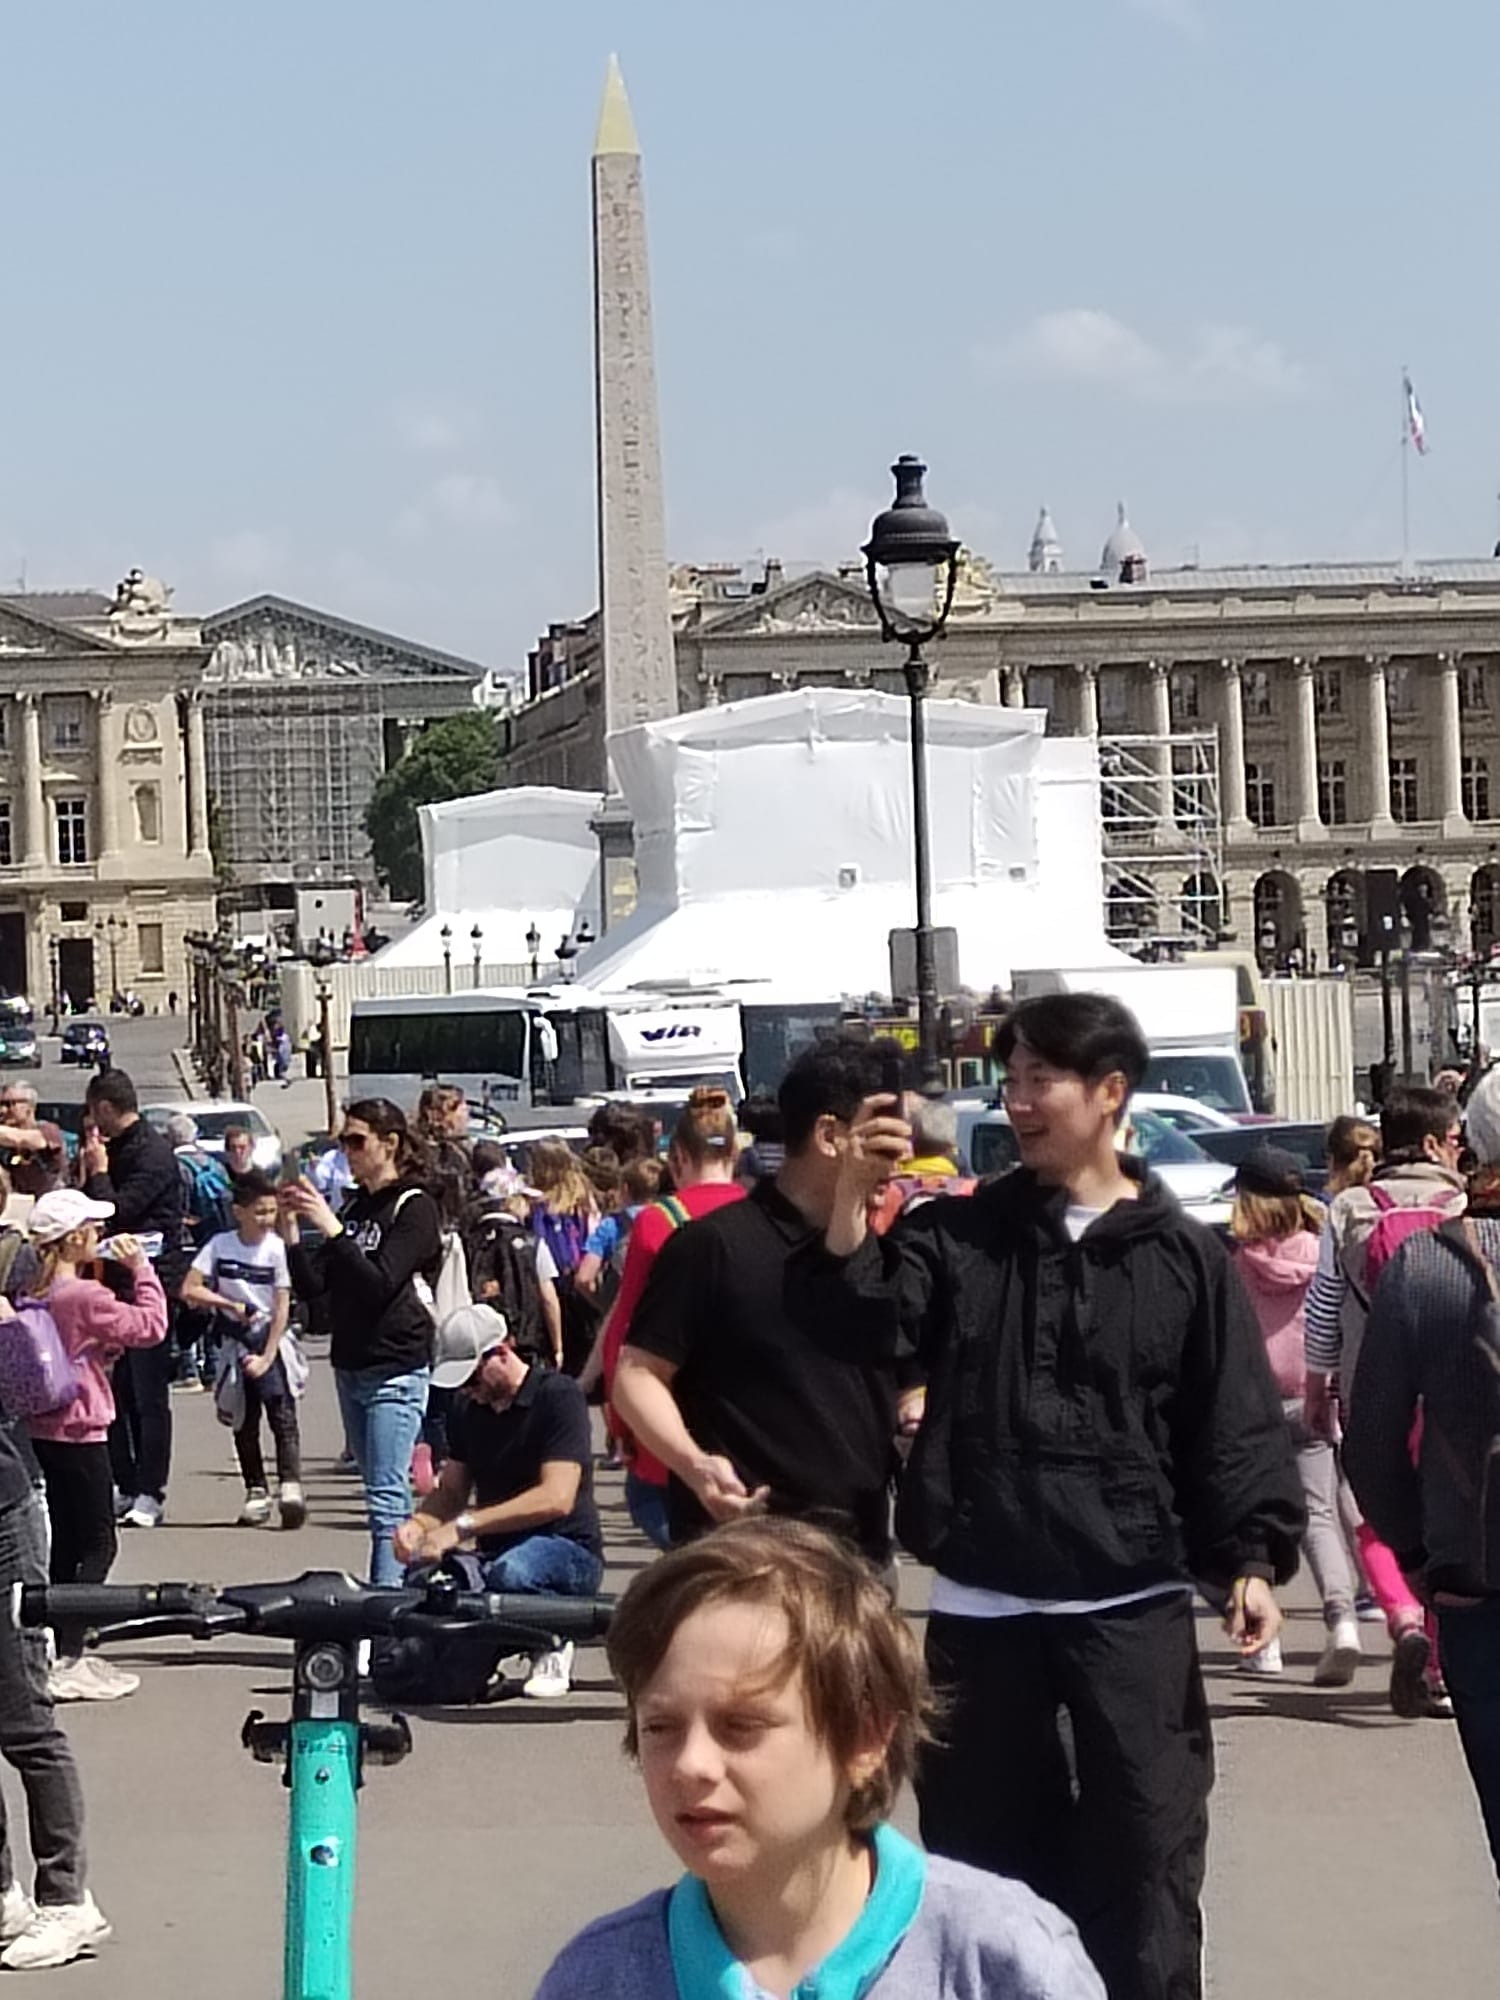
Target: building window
{"type": "Point", "coordinates": [1113, 689]}
{"type": "Point", "coordinates": [1041, 689]}
{"type": "Point", "coordinates": [1471, 695]}
{"type": "Point", "coordinates": [148, 814]}
{"type": "Point", "coordinates": [72, 817]}
{"type": "Point", "coordinates": [1476, 789]}
{"type": "Point", "coordinates": [6, 856]}
{"type": "Point", "coordinates": [152, 948]}
{"type": "Point", "coordinates": [1333, 792]}
{"type": "Point", "coordinates": [67, 724]}
{"type": "Point", "coordinates": [74, 913]}
{"type": "Point", "coordinates": [1404, 790]}
{"type": "Point", "coordinates": [1328, 691]}
{"type": "Point", "coordinates": [1255, 682]}
{"type": "Point", "coordinates": [1184, 696]}
{"type": "Point", "coordinates": [1260, 795]}
{"type": "Point", "coordinates": [1400, 691]}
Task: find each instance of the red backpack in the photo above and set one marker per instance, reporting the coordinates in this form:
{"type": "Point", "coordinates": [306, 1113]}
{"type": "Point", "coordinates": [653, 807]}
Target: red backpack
{"type": "Point", "coordinates": [1395, 1223]}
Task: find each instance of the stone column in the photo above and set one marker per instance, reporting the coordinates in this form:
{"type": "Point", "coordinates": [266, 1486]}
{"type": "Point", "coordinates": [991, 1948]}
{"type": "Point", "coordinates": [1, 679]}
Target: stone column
{"type": "Point", "coordinates": [1378, 746]}
{"type": "Point", "coordinates": [1450, 749]}
{"type": "Point", "coordinates": [1015, 686]}
{"type": "Point", "coordinates": [1160, 672]}
{"type": "Point", "coordinates": [1232, 803]}
{"type": "Point", "coordinates": [107, 767]}
{"type": "Point", "coordinates": [1088, 699]}
{"type": "Point", "coordinates": [197, 779]}
{"type": "Point", "coordinates": [34, 819]}
{"type": "Point", "coordinates": [1305, 753]}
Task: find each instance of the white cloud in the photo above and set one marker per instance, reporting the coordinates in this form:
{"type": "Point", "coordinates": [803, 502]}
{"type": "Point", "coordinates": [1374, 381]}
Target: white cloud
{"type": "Point", "coordinates": [827, 531]}
{"type": "Point", "coordinates": [1215, 364]}
{"type": "Point", "coordinates": [431, 427]}
{"type": "Point", "coordinates": [1186, 16]}
{"type": "Point", "coordinates": [467, 501]}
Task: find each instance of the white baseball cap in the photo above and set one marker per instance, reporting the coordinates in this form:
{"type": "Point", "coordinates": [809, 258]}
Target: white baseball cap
{"type": "Point", "coordinates": [465, 1337]}
{"type": "Point", "coordinates": [59, 1213]}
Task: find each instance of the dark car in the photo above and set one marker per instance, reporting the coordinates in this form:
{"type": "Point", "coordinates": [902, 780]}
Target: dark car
{"type": "Point", "coordinates": [85, 1042]}
{"type": "Point", "coordinates": [1307, 1143]}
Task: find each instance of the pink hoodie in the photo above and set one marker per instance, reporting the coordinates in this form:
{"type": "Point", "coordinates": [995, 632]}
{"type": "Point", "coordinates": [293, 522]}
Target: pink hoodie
{"type": "Point", "coordinates": [1276, 1274]}
{"type": "Point", "coordinates": [96, 1327]}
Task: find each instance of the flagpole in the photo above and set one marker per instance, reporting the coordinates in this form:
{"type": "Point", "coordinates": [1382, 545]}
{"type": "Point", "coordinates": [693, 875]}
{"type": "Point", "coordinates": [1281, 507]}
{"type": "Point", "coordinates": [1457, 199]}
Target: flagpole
{"type": "Point", "coordinates": [1405, 474]}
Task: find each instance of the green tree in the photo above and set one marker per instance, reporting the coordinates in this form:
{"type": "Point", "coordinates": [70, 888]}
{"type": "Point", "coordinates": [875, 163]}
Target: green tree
{"type": "Point", "coordinates": [451, 759]}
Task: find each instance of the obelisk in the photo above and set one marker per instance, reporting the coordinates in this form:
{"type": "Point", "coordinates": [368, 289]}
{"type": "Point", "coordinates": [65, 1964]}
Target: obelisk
{"type": "Point", "coordinates": [640, 680]}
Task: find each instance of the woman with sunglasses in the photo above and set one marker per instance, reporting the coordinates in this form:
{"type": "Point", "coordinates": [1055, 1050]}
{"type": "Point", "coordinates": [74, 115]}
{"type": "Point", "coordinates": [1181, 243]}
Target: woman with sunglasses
{"type": "Point", "coordinates": [374, 1268]}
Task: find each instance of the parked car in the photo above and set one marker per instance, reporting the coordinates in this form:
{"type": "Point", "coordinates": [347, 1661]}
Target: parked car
{"type": "Point", "coordinates": [1307, 1143]}
{"type": "Point", "coordinates": [18, 1047]}
{"type": "Point", "coordinates": [1199, 1182]}
{"type": "Point", "coordinates": [1185, 1114]}
{"type": "Point", "coordinates": [213, 1119]}
{"type": "Point", "coordinates": [86, 1043]}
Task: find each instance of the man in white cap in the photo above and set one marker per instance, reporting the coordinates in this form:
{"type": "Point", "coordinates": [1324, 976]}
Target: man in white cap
{"type": "Point", "coordinates": [518, 1485]}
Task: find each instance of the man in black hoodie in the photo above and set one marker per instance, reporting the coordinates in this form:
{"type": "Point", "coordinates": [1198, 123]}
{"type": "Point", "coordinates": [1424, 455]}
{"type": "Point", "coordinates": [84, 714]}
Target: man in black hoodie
{"type": "Point", "coordinates": [1101, 1430]}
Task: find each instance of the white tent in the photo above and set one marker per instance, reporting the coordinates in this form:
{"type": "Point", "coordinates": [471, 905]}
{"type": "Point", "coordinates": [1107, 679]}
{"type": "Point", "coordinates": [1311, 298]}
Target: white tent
{"type": "Point", "coordinates": [503, 861]}
{"type": "Point", "coordinates": [774, 845]}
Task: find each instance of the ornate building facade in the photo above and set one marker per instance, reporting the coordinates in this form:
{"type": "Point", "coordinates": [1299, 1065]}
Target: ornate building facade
{"type": "Point", "coordinates": [104, 829]}
{"type": "Point", "coordinates": [1268, 735]}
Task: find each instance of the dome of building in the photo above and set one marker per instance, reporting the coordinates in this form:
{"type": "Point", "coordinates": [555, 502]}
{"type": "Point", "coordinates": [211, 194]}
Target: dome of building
{"type": "Point", "coordinates": [1046, 556]}
{"type": "Point", "coordinates": [1124, 548]}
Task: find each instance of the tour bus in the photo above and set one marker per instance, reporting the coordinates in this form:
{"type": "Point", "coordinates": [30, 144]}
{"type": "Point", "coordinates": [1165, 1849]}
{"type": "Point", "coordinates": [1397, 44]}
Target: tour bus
{"type": "Point", "coordinates": [515, 1051]}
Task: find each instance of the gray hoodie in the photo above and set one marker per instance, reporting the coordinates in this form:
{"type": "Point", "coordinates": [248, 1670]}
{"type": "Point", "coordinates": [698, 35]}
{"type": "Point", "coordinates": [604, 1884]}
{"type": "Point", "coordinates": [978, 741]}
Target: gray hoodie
{"type": "Point", "coordinates": [974, 1937]}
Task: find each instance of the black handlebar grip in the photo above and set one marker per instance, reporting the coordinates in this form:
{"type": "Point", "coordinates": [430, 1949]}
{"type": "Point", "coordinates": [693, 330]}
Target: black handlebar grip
{"type": "Point", "coordinates": [578, 1618]}
{"type": "Point", "coordinates": [104, 1603]}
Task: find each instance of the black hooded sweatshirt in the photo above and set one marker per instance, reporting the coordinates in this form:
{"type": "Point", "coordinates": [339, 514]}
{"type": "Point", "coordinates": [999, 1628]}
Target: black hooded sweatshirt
{"type": "Point", "coordinates": [367, 1275]}
{"type": "Point", "coordinates": [1100, 1414]}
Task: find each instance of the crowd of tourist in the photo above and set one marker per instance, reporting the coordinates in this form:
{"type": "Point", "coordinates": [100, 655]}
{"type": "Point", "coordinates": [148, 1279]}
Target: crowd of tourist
{"type": "Point", "coordinates": [818, 1342]}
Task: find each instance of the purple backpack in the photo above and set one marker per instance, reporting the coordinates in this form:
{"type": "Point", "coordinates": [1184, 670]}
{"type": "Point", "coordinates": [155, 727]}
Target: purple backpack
{"type": "Point", "coordinates": [36, 1372]}
{"type": "Point", "coordinates": [564, 1236]}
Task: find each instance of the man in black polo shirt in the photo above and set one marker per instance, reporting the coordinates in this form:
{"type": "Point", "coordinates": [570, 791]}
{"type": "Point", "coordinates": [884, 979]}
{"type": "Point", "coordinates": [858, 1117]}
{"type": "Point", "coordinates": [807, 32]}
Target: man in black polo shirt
{"type": "Point", "coordinates": [518, 1484]}
{"type": "Point", "coordinates": [738, 1373]}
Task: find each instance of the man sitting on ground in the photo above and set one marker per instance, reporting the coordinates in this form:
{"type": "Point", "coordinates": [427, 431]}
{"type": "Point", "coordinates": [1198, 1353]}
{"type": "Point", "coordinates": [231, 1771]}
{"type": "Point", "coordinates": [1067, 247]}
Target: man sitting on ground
{"type": "Point", "coordinates": [518, 1484]}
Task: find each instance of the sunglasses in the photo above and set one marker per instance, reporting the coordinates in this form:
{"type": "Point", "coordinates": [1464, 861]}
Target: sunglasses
{"type": "Point", "coordinates": [353, 1142]}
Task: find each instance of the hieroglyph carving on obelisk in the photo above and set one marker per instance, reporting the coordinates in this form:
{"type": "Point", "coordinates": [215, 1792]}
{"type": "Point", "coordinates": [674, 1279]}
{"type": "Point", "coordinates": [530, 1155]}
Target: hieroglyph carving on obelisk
{"type": "Point", "coordinates": [640, 682]}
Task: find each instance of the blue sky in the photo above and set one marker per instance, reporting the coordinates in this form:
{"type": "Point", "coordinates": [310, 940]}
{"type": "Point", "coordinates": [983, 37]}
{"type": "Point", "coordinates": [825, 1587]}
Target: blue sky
{"type": "Point", "coordinates": [297, 294]}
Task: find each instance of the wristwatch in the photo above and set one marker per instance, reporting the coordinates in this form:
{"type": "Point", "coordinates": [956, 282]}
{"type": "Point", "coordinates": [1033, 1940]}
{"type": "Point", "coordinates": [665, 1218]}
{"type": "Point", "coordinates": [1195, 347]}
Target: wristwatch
{"type": "Point", "coordinates": [465, 1525]}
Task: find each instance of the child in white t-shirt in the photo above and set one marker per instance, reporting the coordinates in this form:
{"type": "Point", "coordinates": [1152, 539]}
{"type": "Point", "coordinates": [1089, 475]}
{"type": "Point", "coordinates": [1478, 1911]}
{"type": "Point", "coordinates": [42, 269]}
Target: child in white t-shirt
{"type": "Point", "coordinates": [242, 1275]}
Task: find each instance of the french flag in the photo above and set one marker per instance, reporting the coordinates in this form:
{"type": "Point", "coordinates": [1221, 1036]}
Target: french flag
{"type": "Point", "coordinates": [1416, 423]}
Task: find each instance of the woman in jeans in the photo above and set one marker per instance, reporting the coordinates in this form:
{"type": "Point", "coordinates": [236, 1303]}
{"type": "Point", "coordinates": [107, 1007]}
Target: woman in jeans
{"type": "Point", "coordinates": [374, 1269]}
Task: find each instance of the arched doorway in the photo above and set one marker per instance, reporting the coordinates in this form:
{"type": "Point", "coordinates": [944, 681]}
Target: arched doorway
{"type": "Point", "coordinates": [1344, 905]}
{"type": "Point", "coordinates": [1484, 909]}
{"type": "Point", "coordinates": [1129, 909]}
{"type": "Point", "coordinates": [1280, 940]}
{"type": "Point", "coordinates": [1424, 904]}
{"type": "Point", "coordinates": [1201, 908]}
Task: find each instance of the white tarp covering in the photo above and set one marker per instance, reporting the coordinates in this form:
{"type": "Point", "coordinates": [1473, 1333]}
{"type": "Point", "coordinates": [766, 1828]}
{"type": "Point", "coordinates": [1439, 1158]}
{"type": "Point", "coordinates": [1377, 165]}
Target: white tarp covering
{"type": "Point", "coordinates": [774, 845]}
{"type": "Point", "coordinates": [504, 860]}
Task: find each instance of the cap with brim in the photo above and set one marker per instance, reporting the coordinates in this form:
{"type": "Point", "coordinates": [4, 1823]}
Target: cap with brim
{"type": "Point", "coordinates": [59, 1213]}
{"type": "Point", "coordinates": [1269, 1170]}
{"type": "Point", "coordinates": [465, 1337]}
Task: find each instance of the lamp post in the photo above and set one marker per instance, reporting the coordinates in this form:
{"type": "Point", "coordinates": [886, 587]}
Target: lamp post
{"type": "Point", "coordinates": [911, 569]}
{"type": "Point", "coordinates": [567, 951]}
{"type": "Point", "coordinates": [322, 955]}
{"type": "Point", "coordinates": [476, 939]}
{"type": "Point", "coordinates": [229, 970]}
{"type": "Point", "coordinates": [446, 934]}
{"type": "Point", "coordinates": [534, 950]}
{"type": "Point", "coordinates": [112, 930]}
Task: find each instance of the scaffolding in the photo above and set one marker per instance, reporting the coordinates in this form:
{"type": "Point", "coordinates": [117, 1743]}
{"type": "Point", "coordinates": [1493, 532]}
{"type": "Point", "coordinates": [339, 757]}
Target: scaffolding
{"type": "Point", "coordinates": [1163, 834]}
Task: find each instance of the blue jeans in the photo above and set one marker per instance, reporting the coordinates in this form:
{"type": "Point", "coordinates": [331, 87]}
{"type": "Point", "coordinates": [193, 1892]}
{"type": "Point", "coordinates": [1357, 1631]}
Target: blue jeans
{"type": "Point", "coordinates": [1469, 1639]}
{"type": "Point", "coordinates": [382, 1421]}
{"type": "Point", "coordinates": [548, 1563]}
{"type": "Point", "coordinates": [646, 1504]}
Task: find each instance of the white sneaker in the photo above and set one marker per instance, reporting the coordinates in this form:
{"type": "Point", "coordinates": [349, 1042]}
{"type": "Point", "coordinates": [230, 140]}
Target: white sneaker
{"type": "Point", "coordinates": [1266, 1661]}
{"type": "Point", "coordinates": [59, 1933]}
{"type": "Point", "coordinates": [144, 1511]}
{"type": "Point", "coordinates": [122, 1504]}
{"type": "Point", "coordinates": [291, 1503]}
{"type": "Point", "coordinates": [551, 1674]}
{"type": "Point", "coordinates": [75, 1680]}
{"type": "Point", "coordinates": [257, 1508]}
{"type": "Point", "coordinates": [17, 1913]}
{"type": "Point", "coordinates": [1341, 1655]}
{"type": "Point", "coordinates": [116, 1681]}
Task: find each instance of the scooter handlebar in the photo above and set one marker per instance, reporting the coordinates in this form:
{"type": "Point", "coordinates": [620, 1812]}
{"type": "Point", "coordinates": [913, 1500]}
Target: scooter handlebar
{"type": "Point", "coordinates": [113, 1603]}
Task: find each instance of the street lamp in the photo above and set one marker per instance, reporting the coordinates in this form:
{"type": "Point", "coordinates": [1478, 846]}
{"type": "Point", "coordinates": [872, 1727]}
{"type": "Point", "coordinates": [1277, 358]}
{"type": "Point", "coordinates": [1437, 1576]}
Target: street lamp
{"type": "Point", "coordinates": [446, 934]}
{"type": "Point", "coordinates": [534, 949]}
{"type": "Point", "coordinates": [476, 938]}
{"type": "Point", "coordinates": [322, 955]}
{"type": "Point", "coordinates": [911, 569]}
{"type": "Point", "coordinates": [583, 937]}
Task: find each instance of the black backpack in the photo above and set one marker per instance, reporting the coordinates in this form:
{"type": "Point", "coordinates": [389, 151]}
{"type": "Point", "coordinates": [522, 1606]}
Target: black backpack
{"type": "Point", "coordinates": [501, 1253]}
{"type": "Point", "coordinates": [452, 1665]}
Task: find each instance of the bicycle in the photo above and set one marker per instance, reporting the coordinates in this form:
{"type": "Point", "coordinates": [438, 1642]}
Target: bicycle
{"type": "Point", "coordinates": [325, 1745]}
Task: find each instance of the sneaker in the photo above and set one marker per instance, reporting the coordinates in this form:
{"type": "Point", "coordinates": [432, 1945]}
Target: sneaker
{"type": "Point", "coordinates": [144, 1511]}
{"type": "Point", "coordinates": [1266, 1661]}
{"type": "Point", "coordinates": [59, 1933]}
{"type": "Point", "coordinates": [257, 1508]}
{"type": "Point", "coordinates": [292, 1505]}
{"type": "Point", "coordinates": [189, 1385]}
{"type": "Point", "coordinates": [551, 1674]}
{"type": "Point", "coordinates": [116, 1681]}
{"type": "Point", "coordinates": [1340, 1656]}
{"type": "Point", "coordinates": [1367, 1611]}
{"type": "Point", "coordinates": [1408, 1665]}
{"type": "Point", "coordinates": [1439, 1702]}
{"type": "Point", "coordinates": [75, 1680]}
{"type": "Point", "coordinates": [17, 1913]}
{"type": "Point", "coordinates": [122, 1504]}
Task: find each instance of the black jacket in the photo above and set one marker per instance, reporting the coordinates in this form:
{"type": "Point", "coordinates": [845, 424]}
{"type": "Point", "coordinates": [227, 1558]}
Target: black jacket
{"type": "Point", "coordinates": [366, 1275]}
{"type": "Point", "coordinates": [146, 1188]}
{"type": "Point", "coordinates": [1100, 1414]}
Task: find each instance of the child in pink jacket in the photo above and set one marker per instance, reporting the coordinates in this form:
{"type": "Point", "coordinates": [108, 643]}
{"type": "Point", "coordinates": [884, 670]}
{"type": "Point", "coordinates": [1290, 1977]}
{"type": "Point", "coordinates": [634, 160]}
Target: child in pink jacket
{"type": "Point", "coordinates": [1277, 1227]}
{"type": "Point", "coordinates": [70, 1443]}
